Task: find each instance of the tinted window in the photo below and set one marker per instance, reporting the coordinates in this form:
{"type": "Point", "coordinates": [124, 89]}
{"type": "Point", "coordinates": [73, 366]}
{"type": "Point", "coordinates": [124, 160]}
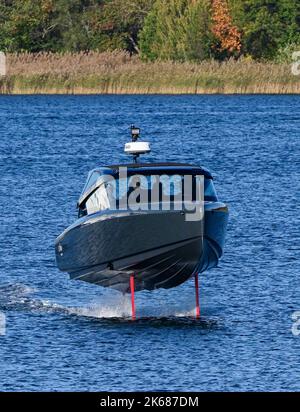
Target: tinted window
{"type": "Point", "coordinates": [114, 194]}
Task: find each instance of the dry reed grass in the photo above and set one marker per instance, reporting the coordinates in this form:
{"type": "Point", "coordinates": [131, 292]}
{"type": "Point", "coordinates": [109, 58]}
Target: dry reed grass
{"type": "Point", "coordinates": [117, 72]}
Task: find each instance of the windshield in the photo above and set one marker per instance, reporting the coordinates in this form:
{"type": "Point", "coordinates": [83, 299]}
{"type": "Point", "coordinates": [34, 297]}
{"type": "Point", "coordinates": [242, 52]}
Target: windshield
{"type": "Point", "coordinates": [119, 194]}
{"type": "Point", "coordinates": [92, 179]}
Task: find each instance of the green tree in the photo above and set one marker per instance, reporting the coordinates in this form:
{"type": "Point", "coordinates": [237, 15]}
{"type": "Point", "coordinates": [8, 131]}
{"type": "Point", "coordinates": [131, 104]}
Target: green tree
{"type": "Point", "coordinates": [76, 24]}
{"type": "Point", "coordinates": [159, 29]}
{"type": "Point", "coordinates": [149, 39]}
{"type": "Point", "coordinates": [177, 30]}
{"type": "Point", "coordinates": [56, 25]}
{"type": "Point", "coordinates": [122, 20]}
{"type": "Point", "coordinates": [266, 25]}
{"type": "Point", "coordinates": [163, 31]}
{"type": "Point", "coordinates": [71, 25]}
{"type": "Point", "coordinates": [4, 16]}
{"type": "Point", "coordinates": [262, 28]}
{"type": "Point", "coordinates": [198, 36]}
{"type": "Point", "coordinates": [289, 11]}
{"type": "Point", "coordinates": [25, 25]}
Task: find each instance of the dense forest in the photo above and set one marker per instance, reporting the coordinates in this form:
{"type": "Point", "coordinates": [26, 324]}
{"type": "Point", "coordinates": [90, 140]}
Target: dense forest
{"type": "Point", "coordinates": [177, 30]}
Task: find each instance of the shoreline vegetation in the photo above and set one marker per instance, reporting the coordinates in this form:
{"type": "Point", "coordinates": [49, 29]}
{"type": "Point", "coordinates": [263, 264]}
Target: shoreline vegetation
{"type": "Point", "coordinates": [119, 73]}
{"type": "Point", "coordinates": [150, 46]}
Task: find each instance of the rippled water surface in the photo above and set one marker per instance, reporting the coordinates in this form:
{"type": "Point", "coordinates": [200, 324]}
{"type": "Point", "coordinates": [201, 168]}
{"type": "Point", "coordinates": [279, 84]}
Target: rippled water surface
{"type": "Point", "coordinates": [68, 335]}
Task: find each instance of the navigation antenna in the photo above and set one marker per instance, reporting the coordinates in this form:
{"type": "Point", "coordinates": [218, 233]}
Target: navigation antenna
{"type": "Point", "coordinates": [135, 147]}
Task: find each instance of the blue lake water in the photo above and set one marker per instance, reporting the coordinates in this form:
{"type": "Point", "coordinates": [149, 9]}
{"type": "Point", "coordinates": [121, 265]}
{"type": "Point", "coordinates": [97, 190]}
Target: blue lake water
{"type": "Point", "coordinates": [68, 335]}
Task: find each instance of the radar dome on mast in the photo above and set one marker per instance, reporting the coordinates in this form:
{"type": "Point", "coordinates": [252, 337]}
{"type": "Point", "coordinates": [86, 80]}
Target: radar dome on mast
{"type": "Point", "coordinates": [135, 147]}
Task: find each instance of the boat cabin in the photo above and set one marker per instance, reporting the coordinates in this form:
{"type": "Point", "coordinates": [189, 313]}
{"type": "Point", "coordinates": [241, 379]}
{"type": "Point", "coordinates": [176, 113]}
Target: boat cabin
{"type": "Point", "coordinates": [110, 188]}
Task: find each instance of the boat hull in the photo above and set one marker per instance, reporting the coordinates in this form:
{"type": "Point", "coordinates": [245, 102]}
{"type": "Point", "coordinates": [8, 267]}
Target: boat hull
{"type": "Point", "coordinates": [161, 248]}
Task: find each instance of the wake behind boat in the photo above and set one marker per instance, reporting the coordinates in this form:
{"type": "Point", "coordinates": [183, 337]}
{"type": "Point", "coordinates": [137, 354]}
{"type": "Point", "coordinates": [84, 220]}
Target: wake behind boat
{"type": "Point", "coordinates": [144, 225]}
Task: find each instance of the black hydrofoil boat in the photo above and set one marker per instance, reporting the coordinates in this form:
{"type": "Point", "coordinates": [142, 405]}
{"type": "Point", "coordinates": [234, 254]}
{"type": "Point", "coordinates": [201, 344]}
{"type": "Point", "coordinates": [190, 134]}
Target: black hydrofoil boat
{"type": "Point", "coordinates": [129, 224]}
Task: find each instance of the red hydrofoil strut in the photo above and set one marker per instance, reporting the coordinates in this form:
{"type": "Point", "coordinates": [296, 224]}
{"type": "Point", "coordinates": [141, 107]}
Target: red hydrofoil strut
{"type": "Point", "coordinates": [132, 290]}
{"type": "Point", "coordinates": [132, 297]}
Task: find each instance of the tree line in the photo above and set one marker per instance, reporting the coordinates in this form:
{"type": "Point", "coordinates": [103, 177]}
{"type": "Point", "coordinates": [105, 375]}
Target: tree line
{"type": "Point", "coordinates": [179, 30]}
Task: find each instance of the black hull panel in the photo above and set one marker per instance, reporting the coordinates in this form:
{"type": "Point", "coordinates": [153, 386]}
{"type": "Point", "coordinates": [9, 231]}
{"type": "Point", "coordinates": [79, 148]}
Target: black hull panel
{"type": "Point", "coordinates": [166, 269]}
{"type": "Point", "coordinates": [161, 249]}
{"type": "Point", "coordinates": [214, 238]}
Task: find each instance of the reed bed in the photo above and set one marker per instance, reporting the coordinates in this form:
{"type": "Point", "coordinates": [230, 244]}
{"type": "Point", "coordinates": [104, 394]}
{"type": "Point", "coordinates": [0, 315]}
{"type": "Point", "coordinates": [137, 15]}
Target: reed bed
{"type": "Point", "coordinates": [119, 73]}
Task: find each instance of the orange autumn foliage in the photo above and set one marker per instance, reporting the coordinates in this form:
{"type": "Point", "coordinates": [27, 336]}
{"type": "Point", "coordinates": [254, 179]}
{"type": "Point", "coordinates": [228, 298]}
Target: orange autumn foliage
{"type": "Point", "coordinates": [223, 28]}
